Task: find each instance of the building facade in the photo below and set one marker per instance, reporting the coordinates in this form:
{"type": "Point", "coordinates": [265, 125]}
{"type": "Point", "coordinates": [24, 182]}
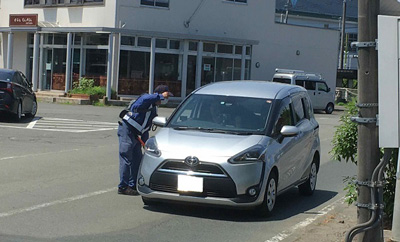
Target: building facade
{"type": "Point", "coordinates": [131, 46]}
{"type": "Point", "coordinates": [324, 14]}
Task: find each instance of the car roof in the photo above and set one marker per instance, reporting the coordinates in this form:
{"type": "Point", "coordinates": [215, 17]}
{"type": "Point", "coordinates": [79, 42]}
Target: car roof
{"type": "Point", "coordinates": [8, 71]}
{"type": "Point", "coordinates": [300, 76]}
{"type": "Point", "coordinates": [255, 89]}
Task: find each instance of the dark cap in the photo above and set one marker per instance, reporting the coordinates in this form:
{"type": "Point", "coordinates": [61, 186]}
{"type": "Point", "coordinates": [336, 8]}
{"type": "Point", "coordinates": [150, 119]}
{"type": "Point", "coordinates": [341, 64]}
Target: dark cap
{"type": "Point", "coordinates": [161, 89]}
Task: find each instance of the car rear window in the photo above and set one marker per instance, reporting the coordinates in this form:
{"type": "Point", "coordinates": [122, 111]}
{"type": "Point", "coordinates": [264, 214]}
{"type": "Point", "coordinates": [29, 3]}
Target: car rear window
{"type": "Point", "coordinates": [5, 76]}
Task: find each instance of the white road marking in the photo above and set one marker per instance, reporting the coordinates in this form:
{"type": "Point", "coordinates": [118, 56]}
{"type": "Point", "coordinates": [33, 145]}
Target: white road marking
{"type": "Point", "coordinates": [66, 125]}
{"type": "Point", "coordinates": [32, 123]}
{"type": "Point", "coordinates": [49, 153]}
{"type": "Point", "coordinates": [45, 205]}
{"type": "Point", "coordinates": [286, 233]}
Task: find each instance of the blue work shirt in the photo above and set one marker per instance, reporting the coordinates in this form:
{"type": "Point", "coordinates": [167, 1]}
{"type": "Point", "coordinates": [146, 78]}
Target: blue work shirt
{"type": "Point", "coordinates": [142, 112]}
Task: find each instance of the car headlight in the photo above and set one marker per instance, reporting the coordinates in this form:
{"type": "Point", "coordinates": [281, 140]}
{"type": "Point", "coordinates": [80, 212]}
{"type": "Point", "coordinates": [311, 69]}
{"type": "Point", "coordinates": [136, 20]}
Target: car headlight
{"type": "Point", "coordinates": [252, 154]}
{"type": "Point", "coordinates": [151, 147]}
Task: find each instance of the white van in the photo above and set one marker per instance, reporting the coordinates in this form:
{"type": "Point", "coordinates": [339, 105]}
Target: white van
{"type": "Point", "coordinates": [321, 95]}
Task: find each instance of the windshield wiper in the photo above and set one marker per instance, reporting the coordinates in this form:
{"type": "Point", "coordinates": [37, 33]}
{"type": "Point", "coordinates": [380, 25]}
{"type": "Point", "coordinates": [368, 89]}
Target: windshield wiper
{"type": "Point", "coordinates": [191, 128]}
{"type": "Point", "coordinates": [210, 130]}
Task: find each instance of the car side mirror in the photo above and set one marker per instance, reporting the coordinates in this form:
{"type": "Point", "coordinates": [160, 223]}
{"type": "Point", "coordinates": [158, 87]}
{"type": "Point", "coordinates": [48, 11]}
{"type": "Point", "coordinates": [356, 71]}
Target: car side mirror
{"type": "Point", "coordinates": [290, 131]}
{"type": "Point", "coordinates": [329, 89]}
{"type": "Point", "coordinates": [160, 121]}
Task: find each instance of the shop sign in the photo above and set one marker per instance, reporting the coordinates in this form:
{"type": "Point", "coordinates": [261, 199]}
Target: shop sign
{"type": "Point", "coordinates": [21, 20]}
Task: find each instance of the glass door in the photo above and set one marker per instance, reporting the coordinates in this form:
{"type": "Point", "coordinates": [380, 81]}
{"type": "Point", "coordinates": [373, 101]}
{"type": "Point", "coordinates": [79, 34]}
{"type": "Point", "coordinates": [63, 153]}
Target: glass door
{"type": "Point", "coordinates": [58, 69]}
{"type": "Point", "coordinates": [47, 70]}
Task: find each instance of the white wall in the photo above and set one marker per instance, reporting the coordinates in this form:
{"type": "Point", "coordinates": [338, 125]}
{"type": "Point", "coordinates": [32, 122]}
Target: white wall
{"type": "Point", "coordinates": [87, 16]}
{"type": "Point", "coordinates": [214, 18]}
{"type": "Point", "coordinates": [318, 51]}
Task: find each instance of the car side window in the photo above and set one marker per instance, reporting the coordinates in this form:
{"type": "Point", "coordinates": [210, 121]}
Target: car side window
{"type": "Point", "coordinates": [307, 109]}
{"type": "Point", "coordinates": [25, 80]}
{"type": "Point", "coordinates": [17, 79]}
{"type": "Point", "coordinates": [285, 117]}
{"type": "Point", "coordinates": [300, 83]}
{"type": "Point", "coordinates": [298, 109]}
{"type": "Point", "coordinates": [322, 86]}
{"type": "Point", "coordinates": [310, 85]}
{"type": "Point", "coordinates": [22, 81]}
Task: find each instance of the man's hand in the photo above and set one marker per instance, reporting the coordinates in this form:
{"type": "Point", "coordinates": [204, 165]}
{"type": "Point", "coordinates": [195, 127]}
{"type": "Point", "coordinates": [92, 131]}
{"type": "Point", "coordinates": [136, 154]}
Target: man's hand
{"type": "Point", "coordinates": [165, 94]}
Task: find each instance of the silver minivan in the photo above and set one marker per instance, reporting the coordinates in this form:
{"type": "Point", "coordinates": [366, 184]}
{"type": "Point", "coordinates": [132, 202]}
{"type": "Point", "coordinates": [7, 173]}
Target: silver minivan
{"type": "Point", "coordinates": [236, 144]}
{"type": "Point", "coordinates": [322, 97]}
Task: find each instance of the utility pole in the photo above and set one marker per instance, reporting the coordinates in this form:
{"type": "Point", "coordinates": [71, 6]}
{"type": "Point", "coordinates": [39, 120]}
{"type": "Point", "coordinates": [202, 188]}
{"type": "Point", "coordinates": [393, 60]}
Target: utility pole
{"type": "Point", "coordinates": [368, 151]}
{"type": "Point", "coordinates": [342, 34]}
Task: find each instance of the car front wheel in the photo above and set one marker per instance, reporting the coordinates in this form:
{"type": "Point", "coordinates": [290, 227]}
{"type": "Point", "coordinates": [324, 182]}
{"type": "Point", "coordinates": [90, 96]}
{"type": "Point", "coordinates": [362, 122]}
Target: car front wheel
{"type": "Point", "coordinates": [265, 209]}
{"type": "Point", "coordinates": [18, 115]}
{"type": "Point", "coordinates": [308, 187]}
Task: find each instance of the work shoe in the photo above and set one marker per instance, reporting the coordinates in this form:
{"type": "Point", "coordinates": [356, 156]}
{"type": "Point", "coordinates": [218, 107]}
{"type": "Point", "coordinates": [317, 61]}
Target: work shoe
{"type": "Point", "coordinates": [128, 191]}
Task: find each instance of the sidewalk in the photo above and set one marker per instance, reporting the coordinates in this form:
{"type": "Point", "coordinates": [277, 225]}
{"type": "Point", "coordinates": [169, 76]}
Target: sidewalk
{"type": "Point", "coordinates": [331, 227]}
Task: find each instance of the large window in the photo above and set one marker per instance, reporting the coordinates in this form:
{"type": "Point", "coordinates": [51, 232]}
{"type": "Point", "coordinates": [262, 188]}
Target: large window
{"type": "Point", "coordinates": [134, 71]}
{"type": "Point", "coordinates": [155, 3]}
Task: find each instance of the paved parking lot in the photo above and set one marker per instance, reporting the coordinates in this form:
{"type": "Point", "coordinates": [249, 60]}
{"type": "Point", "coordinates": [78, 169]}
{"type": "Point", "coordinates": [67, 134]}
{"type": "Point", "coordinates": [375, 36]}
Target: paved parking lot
{"type": "Point", "coordinates": [62, 186]}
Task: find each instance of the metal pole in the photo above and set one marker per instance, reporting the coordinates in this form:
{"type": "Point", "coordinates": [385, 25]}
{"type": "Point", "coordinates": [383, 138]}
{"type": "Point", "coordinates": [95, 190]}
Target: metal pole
{"type": "Point", "coordinates": [35, 64]}
{"type": "Point", "coordinates": [342, 34]}
{"type": "Point", "coordinates": [10, 50]}
{"type": "Point", "coordinates": [68, 63]}
{"type": "Point", "coordinates": [368, 151]}
{"type": "Point", "coordinates": [199, 64]}
{"type": "Point", "coordinates": [396, 209]}
{"type": "Point", "coordinates": [109, 64]}
{"type": "Point", "coordinates": [152, 64]}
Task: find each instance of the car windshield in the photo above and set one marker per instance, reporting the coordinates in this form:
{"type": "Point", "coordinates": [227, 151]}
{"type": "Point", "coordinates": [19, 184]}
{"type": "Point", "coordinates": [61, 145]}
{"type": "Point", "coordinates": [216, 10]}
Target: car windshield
{"type": "Point", "coordinates": [222, 114]}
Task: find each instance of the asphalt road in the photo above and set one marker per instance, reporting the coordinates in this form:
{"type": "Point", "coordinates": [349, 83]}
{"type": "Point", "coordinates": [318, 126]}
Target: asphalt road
{"type": "Point", "coordinates": [58, 179]}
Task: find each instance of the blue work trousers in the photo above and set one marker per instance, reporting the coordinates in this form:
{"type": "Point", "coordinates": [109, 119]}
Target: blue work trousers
{"type": "Point", "coordinates": [130, 156]}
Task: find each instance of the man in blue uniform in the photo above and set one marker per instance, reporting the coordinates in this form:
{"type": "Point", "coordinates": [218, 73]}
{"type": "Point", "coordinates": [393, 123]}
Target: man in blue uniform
{"type": "Point", "coordinates": [136, 123]}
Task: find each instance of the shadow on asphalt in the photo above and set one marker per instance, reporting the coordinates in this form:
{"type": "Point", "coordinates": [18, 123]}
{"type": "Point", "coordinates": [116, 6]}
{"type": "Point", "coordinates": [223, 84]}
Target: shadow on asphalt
{"type": "Point", "coordinates": [8, 119]}
{"type": "Point", "coordinates": [287, 205]}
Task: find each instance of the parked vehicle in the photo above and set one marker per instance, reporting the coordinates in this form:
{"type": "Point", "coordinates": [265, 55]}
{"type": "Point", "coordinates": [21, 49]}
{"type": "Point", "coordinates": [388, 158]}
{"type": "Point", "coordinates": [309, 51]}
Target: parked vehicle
{"type": "Point", "coordinates": [16, 95]}
{"type": "Point", "coordinates": [237, 144]}
{"type": "Point", "coordinates": [321, 95]}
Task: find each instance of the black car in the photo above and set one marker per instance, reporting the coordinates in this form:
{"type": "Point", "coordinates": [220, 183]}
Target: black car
{"type": "Point", "coordinates": [16, 95]}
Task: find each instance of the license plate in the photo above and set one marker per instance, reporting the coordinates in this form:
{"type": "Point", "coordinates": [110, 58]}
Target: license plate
{"type": "Point", "coordinates": [190, 183]}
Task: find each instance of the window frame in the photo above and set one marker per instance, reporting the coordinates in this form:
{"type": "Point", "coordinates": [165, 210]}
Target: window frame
{"type": "Point", "coordinates": [66, 3]}
{"type": "Point", "coordinates": [236, 2]}
{"type": "Point", "coordinates": [154, 4]}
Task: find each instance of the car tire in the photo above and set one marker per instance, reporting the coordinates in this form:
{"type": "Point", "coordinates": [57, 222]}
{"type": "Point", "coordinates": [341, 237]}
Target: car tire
{"type": "Point", "coordinates": [267, 206]}
{"type": "Point", "coordinates": [18, 115]}
{"type": "Point", "coordinates": [148, 201]}
{"type": "Point", "coordinates": [308, 187]}
{"type": "Point", "coordinates": [34, 110]}
{"type": "Point", "coordinates": [329, 108]}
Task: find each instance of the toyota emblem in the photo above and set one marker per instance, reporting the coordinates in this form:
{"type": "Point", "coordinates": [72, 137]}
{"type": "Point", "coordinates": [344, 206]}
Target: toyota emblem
{"type": "Point", "coordinates": [192, 161]}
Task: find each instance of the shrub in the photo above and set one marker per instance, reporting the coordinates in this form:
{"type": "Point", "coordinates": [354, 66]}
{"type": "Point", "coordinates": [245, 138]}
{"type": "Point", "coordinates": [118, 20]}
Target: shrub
{"type": "Point", "coordinates": [86, 86]}
{"type": "Point", "coordinates": [345, 147]}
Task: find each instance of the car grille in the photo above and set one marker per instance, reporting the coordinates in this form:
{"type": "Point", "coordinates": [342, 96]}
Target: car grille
{"type": "Point", "coordinates": [201, 168]}
{"type": "Point", "coordinates": [216, 182]}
